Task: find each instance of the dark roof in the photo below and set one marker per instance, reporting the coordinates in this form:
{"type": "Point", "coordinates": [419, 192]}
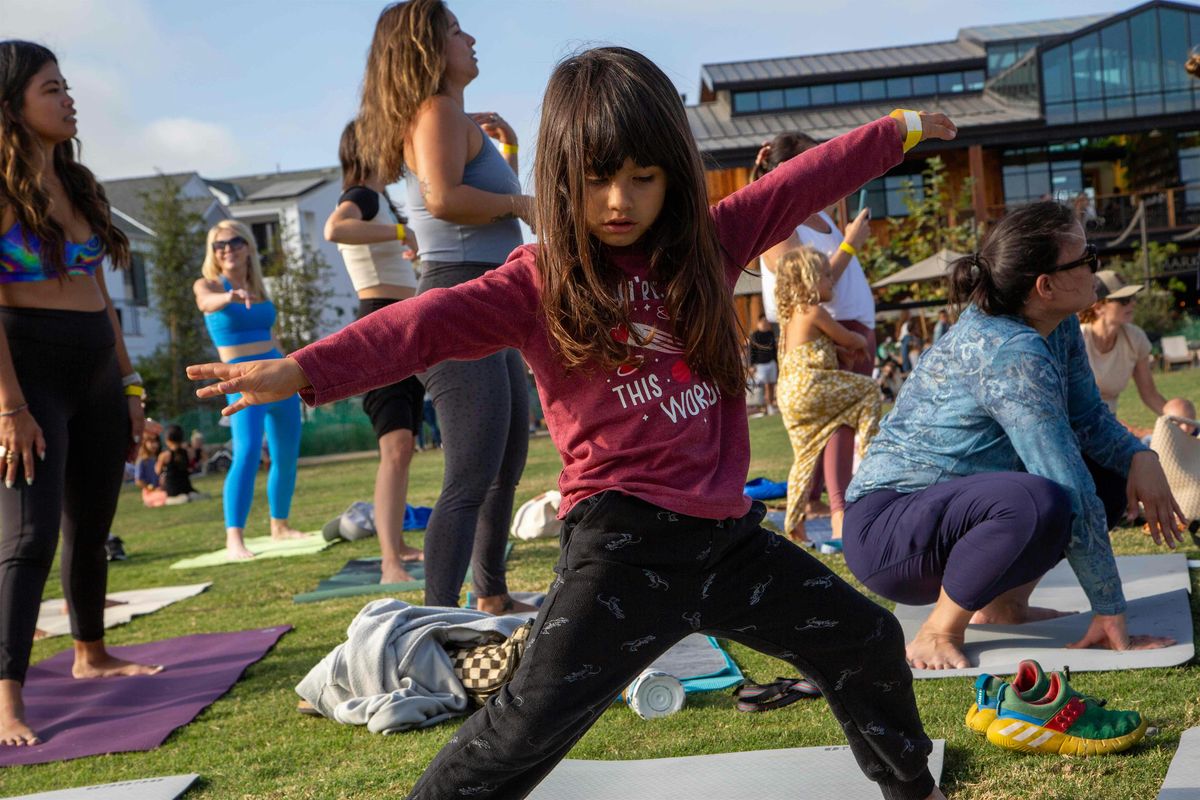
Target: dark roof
{"type": "Point", "coordinates": [718, 76]}
{"type": "Point", "coordinates": [1029, 30]}
{"type": "Point", "coordinates": [128, 194]}
{"type": "Point", "coordinates": [280, 185]}
{"type": "Point", "coordinates": [717, 131]}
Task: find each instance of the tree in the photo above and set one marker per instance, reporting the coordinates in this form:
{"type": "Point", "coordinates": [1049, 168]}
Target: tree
{"type": "Point", "coordinates": [176, 255]}
{"type": "Point", "coordinates": [297, 281]}
{"type": "Point", "coordinates": [931, 225]}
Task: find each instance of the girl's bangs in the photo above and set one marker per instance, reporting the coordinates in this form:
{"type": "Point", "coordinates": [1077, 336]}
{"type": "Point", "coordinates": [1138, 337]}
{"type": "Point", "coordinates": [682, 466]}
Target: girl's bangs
{"type": "Point", "coordinates": [616, 127]}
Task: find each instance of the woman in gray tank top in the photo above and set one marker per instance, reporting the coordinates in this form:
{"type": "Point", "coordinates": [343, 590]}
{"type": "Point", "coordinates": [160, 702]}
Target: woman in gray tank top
{"type": "Point", "coordinates": [464, 202]}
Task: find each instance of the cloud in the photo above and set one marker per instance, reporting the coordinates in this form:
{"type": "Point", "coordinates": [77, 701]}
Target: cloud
{"type": "Point", "coordinates": [205, 146]}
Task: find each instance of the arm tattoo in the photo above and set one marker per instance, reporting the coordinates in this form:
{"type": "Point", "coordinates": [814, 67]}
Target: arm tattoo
{"type": "Point", "coordinates": [423, 187]}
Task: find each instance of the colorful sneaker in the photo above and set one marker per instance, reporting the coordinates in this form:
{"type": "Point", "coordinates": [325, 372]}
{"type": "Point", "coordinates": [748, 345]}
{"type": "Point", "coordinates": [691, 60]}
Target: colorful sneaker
{"type": "Point", "coordinates": [1064, 722]}
{"type": "Point", "coordinates": [1030, 684]}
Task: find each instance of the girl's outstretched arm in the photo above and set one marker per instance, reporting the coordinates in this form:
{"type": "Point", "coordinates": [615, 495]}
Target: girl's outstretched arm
{"type": "Point", "coordinates": [259, 382]}
{"type": "Point", "coordinates": [758, 216]}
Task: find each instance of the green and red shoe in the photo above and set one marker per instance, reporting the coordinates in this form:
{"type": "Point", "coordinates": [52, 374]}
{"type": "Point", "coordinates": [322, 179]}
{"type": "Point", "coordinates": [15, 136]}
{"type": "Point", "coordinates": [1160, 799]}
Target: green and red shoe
{"type": "Point", "coordinates": [1063, 722]}
{"type": "Point", "coordinates": [1030, 683]}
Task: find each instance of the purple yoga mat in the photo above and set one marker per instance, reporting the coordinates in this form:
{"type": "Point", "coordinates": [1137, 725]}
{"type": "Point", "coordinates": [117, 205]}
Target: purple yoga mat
{"type": "Point", "coordinates": [77, 718]}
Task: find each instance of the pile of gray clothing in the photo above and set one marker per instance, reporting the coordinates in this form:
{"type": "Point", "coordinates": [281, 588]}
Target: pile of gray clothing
{"type": "Point", "coordinates": [392, 673]}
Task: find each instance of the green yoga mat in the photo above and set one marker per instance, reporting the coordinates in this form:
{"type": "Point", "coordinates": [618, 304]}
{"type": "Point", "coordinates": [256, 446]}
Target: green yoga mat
{"type": "Point", "coordinates": [361, 576]}
{"type": "Point", "coordinates": [262, 547]}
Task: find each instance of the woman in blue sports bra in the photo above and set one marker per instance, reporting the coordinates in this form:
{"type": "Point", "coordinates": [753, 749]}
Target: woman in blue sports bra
{"type": "Point", "coordinates": [239, 318]}
{"type": "Point", "coordinates": [70, 402]}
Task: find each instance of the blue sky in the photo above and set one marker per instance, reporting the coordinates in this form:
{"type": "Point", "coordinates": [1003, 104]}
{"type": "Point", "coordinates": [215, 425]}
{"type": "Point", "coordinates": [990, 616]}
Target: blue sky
{"type": "Point", "coordinates": [237, 86]}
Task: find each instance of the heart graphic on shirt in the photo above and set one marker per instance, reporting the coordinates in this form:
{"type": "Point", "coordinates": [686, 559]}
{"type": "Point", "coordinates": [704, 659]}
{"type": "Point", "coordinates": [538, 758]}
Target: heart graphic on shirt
{"type": "Point", "coordinates": [630, 367]}
{"type": "Point", "coordinates": [620, 334]}
{"type": "Point", "coordinates": [680, 372]}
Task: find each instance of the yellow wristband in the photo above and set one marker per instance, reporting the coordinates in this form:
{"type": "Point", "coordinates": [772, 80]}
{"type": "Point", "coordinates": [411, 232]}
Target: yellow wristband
{"type": "Point", "coordinates": [912, 123]}
{"type": "Point", "coordinates": [135, 390]}
{"type": "Point", "coordinates": [400, 232]}
{"type": "Point", "coordinates": [848, 249]}
{"type": "Point", "coordinates": [508, 149]}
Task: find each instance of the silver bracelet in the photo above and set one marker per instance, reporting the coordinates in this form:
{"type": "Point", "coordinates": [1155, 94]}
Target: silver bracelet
{"type": "Point", "coordinates": [132, 379]}
{"type": "Point", "coordinates": [15, 411]}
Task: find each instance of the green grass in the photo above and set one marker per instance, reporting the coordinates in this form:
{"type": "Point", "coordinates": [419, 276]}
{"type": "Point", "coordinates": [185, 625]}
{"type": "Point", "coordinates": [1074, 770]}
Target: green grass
{"type": "Point", "coordinates": [252, 743]}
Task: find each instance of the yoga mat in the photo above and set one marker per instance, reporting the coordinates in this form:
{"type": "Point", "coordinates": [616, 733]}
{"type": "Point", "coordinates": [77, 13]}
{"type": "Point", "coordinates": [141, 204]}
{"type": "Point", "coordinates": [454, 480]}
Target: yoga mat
{"type": "Point", "coordinates": [764, 489]}
{"type": "Point", "coordinates": [134, 603]}
{"type": "Point", "coordinates": [116, 715]}
{"type": "Point", "coordinates": [1156, 588]}
{"type": "Point", "coordinates": [361, 576]}
{"type": "Point", "coordinates": [700, 664]}
{"type": "Point", "coordinates": [262, 547]}
{"type": "Point", "coordinates": [168, 788]}
{"type": "Point", "coordinates": [1183, 776]}
{"type": "Point", "coordinates": [814, 773]}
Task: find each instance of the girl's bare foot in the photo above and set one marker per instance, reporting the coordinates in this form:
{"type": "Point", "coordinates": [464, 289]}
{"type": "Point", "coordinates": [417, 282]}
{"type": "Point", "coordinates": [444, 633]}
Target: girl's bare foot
{"type": "Point", "coordinates": [14, 732]}
{"type": "Point", "coordinates": [235, 549]}
{"type": "Point", "coordinates": [281, 530]}
{"type": "Point", "coordinates": [936, 650]}
{"type": "Point", "coordinates": [38, 633]}
{"type": "Point", "coordinates": [92, 660]}
{"type": "Point", "coordinates": [797, 535]}
{"type": "Point", "coordinates": [502, 604]}
{"type": "Point", "coordinates": [409, 554]}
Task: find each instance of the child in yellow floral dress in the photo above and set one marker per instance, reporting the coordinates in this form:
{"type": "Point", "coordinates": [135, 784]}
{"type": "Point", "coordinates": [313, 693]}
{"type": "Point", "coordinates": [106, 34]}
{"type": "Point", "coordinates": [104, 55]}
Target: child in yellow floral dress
{"type": "Point", "coordinates": [815, 397]}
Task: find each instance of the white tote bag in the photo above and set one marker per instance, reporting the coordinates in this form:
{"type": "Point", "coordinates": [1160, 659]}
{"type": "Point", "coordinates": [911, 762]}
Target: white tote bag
{"type": "Point", "coordinates": [537, 519]}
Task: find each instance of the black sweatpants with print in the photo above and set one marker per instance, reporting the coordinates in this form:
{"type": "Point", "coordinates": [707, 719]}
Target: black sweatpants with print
{"type": "Point", "coordinates": [632, 581]}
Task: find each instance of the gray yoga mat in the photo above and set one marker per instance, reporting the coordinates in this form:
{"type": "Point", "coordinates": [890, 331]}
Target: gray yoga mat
{"type": "Point", "coordinates": [53, 620]}
{"type": "Point", "coordinates": [1156, 588]}
{"type": "Point", "coordinates": [816, 773]}
{"type": "Point", "coordinates": [167, 788]}
{"type": "Point", "coordinates": [1183, 776]}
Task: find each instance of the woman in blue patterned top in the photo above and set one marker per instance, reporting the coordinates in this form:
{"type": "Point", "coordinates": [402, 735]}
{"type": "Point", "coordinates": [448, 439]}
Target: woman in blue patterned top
{"type": "Point", "coordinates": [1000, 457]}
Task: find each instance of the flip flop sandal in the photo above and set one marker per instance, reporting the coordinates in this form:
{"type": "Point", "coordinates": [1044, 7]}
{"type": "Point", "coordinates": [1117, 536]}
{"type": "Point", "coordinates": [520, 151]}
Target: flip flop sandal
{"type": "Point", "coordinates": [784, 691]}
{"type": "Point", "coordinates": [307, 709]}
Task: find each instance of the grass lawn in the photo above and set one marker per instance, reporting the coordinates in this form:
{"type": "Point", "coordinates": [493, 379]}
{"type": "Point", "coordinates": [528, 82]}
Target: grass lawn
{"type": "Point", "coordinates": [252, 743]}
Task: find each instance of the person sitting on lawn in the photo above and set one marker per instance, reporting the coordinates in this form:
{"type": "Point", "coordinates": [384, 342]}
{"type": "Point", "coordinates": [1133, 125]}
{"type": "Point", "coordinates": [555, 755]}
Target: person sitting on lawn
{"type": "Point", "coordinates": [146, 471]}
{"type": "Point", "coordinates": [173, 469]}
{"type": "Point", "coordinates": [1000, 456]}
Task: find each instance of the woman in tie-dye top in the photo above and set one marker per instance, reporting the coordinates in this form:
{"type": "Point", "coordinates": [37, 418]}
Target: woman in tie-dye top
{"type": "Point", "coordinates": [70, 402]}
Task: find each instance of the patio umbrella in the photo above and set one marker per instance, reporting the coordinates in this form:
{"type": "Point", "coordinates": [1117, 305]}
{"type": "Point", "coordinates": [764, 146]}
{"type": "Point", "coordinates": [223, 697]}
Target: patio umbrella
{"type": "Point", "coordinates": [936, 267]}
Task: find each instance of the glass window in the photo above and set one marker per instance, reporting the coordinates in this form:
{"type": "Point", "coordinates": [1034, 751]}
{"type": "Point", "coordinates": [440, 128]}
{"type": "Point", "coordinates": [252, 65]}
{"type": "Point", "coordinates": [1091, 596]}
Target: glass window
{"type": "Point", "coordinates": [1066, 179]}
{"type": "Point", "coordinates": [745, 102]}
{"type": "Point", "coordinates": [770, 100]}
{"type": "Point", "coordinates": [1060, 113]}
{"type": "Point", "coordinates": [1115, 58]}
{"type": "Point", "coordinates": [1085, 66]}
{"type": "Point", "coordinates": [135, 277]}
{"type": "Point", "coordinates": [896, 190]}
{"type": "Point", "coordinates": [1089, 110]}
{"type": "Point", "coordinates": [874, 90]}
{"type": "Point", "coordinates": [847, 92]}
{"type": "Point", "coordinates": [900, 87]}
{"type": "Point", "coordinates": [1189, 170]}
{"type": "Point", "coordinates": [1000, 57]}
{"type": "Point", "coordinates": [821, 95]}
{"type": "Point", "coordinates": [924, 85]}
{"type": "Point", "coordinates": [949, 82]}
{"type": "Point", "coordinates": [1175, 45]}
{"type": "Point", "coordinates": [1056, 76]}
{"type": "Point", "coordinates": [1147, 71]}
{"type": "Point", "coordinates": [973, 80]}
{"type": "Point", "coordinates": [1146, 104]}
{"type": "Point", "coordinates": [796, 97]}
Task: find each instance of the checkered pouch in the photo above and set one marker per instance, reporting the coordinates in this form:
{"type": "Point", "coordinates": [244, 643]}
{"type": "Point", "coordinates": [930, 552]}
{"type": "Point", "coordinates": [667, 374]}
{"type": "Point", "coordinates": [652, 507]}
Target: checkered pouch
{"type": "Point", "coordinates": [484, 668]}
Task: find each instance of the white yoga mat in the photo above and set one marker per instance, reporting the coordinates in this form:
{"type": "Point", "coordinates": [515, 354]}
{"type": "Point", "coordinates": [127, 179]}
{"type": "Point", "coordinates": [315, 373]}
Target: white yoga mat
{"type": "Point", "coordinates": [814, 773]}
{"type": "Point", "coordinates": [692, 655]}
{"type": "Point", "coordinates": [134, 603]}
{"type": "Point", "coordinates": [167, 788]}
{"type": "Point", "coordinates": [1183, 776]}
{"type": "Point", "coordinates": [1156, 588]}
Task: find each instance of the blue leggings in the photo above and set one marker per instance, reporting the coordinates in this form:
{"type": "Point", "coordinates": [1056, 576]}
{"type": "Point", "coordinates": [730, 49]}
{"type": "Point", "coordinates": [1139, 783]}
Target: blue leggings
{"type": "Point", "coordinates": [281, 421]}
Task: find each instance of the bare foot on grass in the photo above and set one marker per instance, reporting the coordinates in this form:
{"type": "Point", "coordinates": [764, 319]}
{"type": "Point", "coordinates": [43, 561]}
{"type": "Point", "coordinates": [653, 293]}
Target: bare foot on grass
{"type": "Point", "coordinates": [236, 551]}
{"type": "Point", "coordinates": [14, 732]}
{"type": "Point", "coordinates": [936, 650]}
{"type": "Point", "coordinates": [394, 573]}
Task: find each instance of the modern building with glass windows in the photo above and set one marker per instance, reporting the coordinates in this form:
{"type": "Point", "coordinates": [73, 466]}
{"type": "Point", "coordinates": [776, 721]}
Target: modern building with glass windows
{"type": "Point", "coordinates": [1094, 110]}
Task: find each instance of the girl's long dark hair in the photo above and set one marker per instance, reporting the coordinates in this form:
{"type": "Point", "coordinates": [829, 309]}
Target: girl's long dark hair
{"type": "Point", "coordinates": [601, 107]}
{"type": "Point", "coordinates": [783, 147]}
{"type": "Point", "coordinates": [21, 168]}
{"type": "Point", "coordinates": [1017, 250]}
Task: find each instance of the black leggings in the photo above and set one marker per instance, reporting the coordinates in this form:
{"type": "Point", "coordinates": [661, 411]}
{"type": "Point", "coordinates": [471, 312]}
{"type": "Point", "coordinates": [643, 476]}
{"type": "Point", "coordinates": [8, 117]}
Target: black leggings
{"type": "Point", "coordinates": [483, 412]}
{"type": "Point", "coordinates": [67, 367]}
{"type": "Point", "coordinates": [633, 579]}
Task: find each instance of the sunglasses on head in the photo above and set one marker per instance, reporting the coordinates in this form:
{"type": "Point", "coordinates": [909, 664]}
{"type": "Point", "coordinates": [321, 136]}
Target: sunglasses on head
{"type": "Point", "coordinates": [1090, 257]}
{"type": "Point", "coordinates": [237, 242]}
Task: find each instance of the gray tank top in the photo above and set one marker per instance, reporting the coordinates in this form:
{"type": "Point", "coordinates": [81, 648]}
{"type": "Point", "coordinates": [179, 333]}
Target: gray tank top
{"type": "Point", "coordinates": [449, 242]}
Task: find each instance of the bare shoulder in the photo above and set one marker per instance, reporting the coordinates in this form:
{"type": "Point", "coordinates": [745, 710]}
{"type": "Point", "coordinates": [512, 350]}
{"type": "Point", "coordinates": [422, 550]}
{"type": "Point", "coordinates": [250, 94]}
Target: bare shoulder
{"type": "Point", "coordinates": [441, 112]}
{"type": "Point", "coordinates": [205, 286]}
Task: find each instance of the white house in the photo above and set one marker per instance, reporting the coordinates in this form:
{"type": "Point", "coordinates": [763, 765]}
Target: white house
{"type": "Point", "coordinates": [296, 202]}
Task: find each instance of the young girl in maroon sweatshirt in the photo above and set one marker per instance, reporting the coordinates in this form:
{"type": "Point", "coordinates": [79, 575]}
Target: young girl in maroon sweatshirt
{"type": "Point", "coordinates": [624, 312]}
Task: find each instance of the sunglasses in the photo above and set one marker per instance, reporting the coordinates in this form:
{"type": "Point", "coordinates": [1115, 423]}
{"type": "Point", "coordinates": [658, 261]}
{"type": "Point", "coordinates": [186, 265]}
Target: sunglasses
{"type": "Point", "coordinates": [236, 243]}
{"type": "Point", "coordinates": [1090, 257]}
{"type": "Point", "coordinates": [1123, 300]}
